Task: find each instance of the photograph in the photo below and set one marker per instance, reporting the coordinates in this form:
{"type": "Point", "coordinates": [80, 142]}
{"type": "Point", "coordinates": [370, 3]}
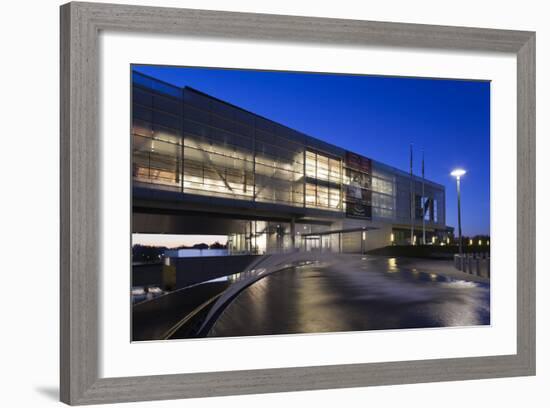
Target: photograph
{"type": "Point", "coordinates": [275, 203]}
{"type": "Point", "coordinates": [285, 203]}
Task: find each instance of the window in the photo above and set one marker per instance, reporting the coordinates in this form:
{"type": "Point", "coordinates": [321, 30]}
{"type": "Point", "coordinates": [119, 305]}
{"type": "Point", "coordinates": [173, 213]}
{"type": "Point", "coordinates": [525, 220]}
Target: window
{"type": "Point", "coordinates": [324, 176]}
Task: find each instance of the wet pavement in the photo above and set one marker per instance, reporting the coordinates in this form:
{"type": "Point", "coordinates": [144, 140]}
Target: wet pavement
{"type": "Point", "coordinates": [362, 293]}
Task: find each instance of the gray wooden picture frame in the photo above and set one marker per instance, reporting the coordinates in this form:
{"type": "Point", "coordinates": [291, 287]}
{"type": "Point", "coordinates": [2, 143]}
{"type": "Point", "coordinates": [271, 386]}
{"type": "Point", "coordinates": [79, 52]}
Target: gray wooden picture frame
{"type": "Point", "coordinates": [81, 24]}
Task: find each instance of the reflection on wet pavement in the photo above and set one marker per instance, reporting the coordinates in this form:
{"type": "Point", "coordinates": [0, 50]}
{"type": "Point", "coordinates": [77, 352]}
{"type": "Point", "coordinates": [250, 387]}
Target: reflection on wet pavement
{"type": "Point", "coordinates": [362, 294]}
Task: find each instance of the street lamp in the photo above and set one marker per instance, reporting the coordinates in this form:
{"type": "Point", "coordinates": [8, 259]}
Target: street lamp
{"type": "Point", "coordinates": [459, 173]}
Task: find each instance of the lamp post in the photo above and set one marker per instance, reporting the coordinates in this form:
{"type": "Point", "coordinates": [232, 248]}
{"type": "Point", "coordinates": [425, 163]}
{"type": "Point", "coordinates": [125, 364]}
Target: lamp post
{"type": "Point", "coordinates": [459, 173]}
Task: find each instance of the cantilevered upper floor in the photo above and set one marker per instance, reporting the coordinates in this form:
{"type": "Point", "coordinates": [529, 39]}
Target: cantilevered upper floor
{"type": "Point", "coordinates": [193, 146]}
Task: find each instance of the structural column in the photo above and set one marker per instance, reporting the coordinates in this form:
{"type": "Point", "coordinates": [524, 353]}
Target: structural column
{"type": "Point", "coordinates": [293, 233]}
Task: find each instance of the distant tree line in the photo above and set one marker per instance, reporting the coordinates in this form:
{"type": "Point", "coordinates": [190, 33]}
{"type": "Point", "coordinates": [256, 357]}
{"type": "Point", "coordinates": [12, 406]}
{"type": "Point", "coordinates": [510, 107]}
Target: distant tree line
{"type": "Point", "coordinates": [147, 254]}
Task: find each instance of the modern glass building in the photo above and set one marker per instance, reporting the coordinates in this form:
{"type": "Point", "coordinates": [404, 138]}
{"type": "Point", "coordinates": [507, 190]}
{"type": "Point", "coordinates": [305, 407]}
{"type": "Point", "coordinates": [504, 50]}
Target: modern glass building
{"type": "Point", "coordinates": [204, 166]}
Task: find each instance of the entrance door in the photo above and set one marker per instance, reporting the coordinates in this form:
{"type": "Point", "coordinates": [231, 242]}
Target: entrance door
{"type": "Point", "coordinates": [313, 244]}
{"type": "Point", "coordinates": [325, 243]}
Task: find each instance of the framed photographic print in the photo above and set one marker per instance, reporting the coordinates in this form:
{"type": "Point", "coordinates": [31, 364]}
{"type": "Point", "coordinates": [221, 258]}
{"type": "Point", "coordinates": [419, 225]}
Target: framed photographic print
{"type": "Point", "coordinates": [258, 203]}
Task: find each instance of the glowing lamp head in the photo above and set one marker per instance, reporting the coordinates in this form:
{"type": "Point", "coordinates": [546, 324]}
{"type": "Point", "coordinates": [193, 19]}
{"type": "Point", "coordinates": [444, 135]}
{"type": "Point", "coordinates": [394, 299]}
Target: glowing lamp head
{"type": "Point", "coordinates": [458, 173]}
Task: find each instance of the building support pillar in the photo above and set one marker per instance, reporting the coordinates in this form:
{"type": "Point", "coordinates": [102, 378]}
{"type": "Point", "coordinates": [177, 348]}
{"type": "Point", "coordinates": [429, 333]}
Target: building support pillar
{"type": "Point", "coordinates": [293, 233]}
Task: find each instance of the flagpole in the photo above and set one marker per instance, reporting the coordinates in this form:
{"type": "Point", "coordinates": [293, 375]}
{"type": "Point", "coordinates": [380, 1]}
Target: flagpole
{"type": "Point", "coordinates": [412, 197]}
{"type": "Point", "coordinates": [423, 205]}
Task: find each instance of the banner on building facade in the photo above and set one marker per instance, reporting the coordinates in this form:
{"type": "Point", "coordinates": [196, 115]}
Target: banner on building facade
{"type": "Point", "coordinates": [358, 187]}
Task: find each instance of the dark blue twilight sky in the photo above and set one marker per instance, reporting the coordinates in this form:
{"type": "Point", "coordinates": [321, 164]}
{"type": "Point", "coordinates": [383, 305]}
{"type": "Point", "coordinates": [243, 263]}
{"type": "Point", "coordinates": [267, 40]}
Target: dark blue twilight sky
{"type": "Point", "coordinates": [377, 117]}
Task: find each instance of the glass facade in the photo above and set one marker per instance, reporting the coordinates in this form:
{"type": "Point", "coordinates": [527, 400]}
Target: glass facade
{"type": "Point", "coordinates": [186, 141]}
{"type": "Point", "coordinates": [261, 237]}
{"type": "Point", "coordinates": [323, 181]}
{"type": "Point", "coordinates": [216, 160]}
{"type": "Point", "coordinates": [383, 195]}
{"type": "Point", "coordinates": [156, 133]}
